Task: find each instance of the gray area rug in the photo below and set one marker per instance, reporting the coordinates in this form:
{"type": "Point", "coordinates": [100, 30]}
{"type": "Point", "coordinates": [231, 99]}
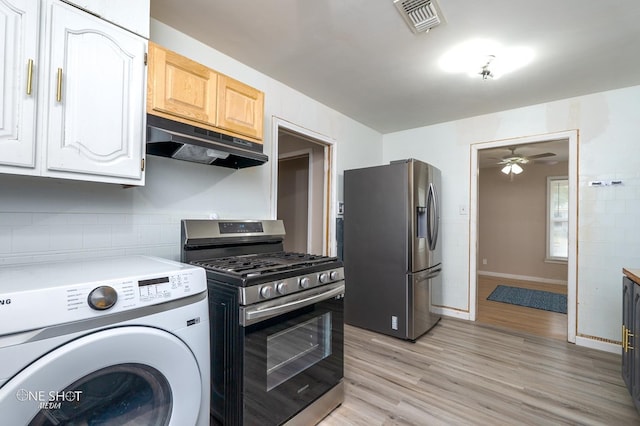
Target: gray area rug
{"type": "Point", "coordinates": [537, 299]}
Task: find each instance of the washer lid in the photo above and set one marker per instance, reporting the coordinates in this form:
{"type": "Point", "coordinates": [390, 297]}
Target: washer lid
{"type": "Point", "coordinates": [113, 374]}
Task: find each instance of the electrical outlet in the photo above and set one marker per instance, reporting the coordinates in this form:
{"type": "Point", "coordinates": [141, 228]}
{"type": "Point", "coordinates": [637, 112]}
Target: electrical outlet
{"type": "Point", "coordinates": [340, 208]}
{"type": "Point", "coordinates": [484, 261]}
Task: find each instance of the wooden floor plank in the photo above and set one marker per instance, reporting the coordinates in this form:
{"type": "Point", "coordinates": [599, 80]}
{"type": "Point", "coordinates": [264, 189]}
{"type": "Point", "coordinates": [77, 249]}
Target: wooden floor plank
{"type": "Point", "coordinates": [465, 373]}
{"type": "Point", "coordinates": [520, 318]}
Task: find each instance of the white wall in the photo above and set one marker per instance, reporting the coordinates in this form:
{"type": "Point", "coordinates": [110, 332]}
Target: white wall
{"type": "Point", "coordinates": [512, 223]}
{"type": "Point", "coordinates": [608, 225]}
{"type": "Point", "coordinates": [47, 219]}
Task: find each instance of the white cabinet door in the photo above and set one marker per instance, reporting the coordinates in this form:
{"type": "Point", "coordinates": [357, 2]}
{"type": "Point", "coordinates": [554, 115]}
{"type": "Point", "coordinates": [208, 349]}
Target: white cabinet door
{"type": "Point", "coordinates": [132, 15]}
{"type": "Point", "coordinates": [94, 98]}
{"type": "Point", "coordinates": [19, 56]}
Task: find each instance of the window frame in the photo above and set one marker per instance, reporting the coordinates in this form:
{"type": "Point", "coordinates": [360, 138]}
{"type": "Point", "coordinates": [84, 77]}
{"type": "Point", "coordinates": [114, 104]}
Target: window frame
{"type": "Point", "coordinates": [548, 257]}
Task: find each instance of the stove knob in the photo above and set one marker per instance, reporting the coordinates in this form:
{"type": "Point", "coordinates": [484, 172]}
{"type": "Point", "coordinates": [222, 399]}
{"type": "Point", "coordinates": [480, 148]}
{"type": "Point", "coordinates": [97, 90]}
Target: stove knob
{"type": "Point", "coordinates": [282, 288]}
{"type": "Point", "coordinates": [304, 282]}
{"type": "Point", "coordinates": [265, 292]}
{"type": "Point", "coordinates": [334, 275]}
{"type": "Point", "coordinates": [323, 278]}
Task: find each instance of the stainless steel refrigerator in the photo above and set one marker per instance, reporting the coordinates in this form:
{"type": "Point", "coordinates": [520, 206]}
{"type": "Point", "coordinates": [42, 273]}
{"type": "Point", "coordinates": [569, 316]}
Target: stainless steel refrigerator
{"type": "Point", "coordinates": [392, 247]}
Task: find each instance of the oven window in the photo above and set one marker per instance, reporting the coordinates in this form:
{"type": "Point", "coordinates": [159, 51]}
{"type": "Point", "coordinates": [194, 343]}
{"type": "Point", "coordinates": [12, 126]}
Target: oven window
{"type": "Point", "coordinates": [131, 394]}
{"type": "Point", "coordinates": [297, 348]}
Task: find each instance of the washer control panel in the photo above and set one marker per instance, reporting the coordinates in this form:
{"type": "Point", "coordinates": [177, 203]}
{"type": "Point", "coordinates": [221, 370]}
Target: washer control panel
{"type": "Point", "coordinates": [74, 290]}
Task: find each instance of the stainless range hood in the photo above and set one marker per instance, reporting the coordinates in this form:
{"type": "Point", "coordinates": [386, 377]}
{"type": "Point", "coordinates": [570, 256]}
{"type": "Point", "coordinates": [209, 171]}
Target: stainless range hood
{"type": "Point", "coordinates": [173, 139]}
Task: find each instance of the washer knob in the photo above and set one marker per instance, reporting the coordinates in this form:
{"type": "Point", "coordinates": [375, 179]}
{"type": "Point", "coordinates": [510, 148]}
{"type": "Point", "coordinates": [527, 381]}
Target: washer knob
{"type": "Point", "coordinates": [304, 282]}
{"type": "Point", "coordinates": [102, 298]}
{"type": "Point", "coordinates": [323, 278]}
{"type": "Point", "coordinates": [334, 275]}
{"type": "Point", "coordinates": [265, 292]}
{"type": "Point", "coordinates": [282, 288]}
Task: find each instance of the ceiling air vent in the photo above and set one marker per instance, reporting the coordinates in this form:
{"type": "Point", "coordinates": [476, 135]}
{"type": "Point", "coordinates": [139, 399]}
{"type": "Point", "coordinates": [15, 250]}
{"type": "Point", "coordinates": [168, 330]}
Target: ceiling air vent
{"type": "Point", "coordinates": [420, 15]}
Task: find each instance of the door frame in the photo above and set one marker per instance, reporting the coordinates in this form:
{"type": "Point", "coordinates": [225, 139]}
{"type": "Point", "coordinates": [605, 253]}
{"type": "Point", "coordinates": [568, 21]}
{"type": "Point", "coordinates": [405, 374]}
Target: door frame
{"type": "Point", "coordinates": [329, 244]}
{"type": "Point", "coordinates": [300, 154]}
{"type": "Point", "coordinates": [572, 262]}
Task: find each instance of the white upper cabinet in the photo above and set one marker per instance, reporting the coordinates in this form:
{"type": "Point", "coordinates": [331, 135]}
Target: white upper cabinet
{"type": "Point", "coordinates": [93, 96]}
{"type": "Point", "coordinates": [19, 24]}
{"type": "Point", "coordinates": [130, 14]}
{"type": "Point", "coordinates": [73, 90]}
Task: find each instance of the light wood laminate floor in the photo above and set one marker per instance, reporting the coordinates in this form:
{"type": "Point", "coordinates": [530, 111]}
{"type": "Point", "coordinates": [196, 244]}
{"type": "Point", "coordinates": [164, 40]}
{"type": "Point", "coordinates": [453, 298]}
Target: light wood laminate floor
{"type": "Point", "coordinates": [464, 373]}
{"type": "Point", "coordinates": [520, 318]}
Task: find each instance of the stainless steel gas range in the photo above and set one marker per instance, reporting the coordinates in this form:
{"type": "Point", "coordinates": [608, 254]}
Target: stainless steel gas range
{"type": "Point", "coordinates": [276, 323]}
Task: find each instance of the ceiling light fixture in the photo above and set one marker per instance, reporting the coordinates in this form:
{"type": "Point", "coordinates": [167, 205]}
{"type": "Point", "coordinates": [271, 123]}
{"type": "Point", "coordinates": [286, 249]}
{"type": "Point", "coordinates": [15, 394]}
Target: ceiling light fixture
{"type": "Point", "coordinates": [484, 57]}
{"type": "Point", "coordinates": [485, 72]}
{"type": "Point", "coordinates": [512, 168]}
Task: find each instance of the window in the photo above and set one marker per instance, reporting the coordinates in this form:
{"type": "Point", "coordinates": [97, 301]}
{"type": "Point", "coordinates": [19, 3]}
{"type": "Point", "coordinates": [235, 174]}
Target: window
{"type": "Point", "coordinates": [557, 218]}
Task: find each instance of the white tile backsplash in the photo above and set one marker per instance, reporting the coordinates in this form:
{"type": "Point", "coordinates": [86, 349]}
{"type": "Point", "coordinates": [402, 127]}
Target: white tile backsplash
{"type": "Point", "coordinates": [25, 239]}
{"type": "Point", "coordinates": [96, 236]}
{"type": "Point", "coordinates": [64, 237]}
{"type": "Point", "coordinates": [5, 239]}
{"type": "Point", "coordinates": [42, 237]}
{"type": "Point", "coordinates": [15, 219]}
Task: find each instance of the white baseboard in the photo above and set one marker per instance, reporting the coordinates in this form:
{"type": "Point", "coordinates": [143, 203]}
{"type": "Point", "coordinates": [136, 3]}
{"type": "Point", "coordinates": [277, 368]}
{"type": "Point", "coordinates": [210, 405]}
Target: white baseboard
{"type": "Point", "coordinates": [448, 312]}
{"type": "Point", "coordinates": [522, 278]}
{"type": "Point", "coordinates": [580, 340]}
{"type": "Point", "coordinates": [599, 345]}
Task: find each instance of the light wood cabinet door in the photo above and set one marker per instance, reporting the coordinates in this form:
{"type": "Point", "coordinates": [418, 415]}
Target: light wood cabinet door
{"type": "Point", "coordinates": [240, 108]}
{"type": "Point", "coordinates": [94, 98]}
{"type": "Point", "coordinates": [180, 87]}
{"type": "Point", "coordinates": [19, 54]}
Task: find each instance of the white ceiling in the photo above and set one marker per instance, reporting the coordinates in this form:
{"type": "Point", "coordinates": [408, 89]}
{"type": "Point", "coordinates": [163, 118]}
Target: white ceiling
{"type": "Point", "coordinates": [360, 58]}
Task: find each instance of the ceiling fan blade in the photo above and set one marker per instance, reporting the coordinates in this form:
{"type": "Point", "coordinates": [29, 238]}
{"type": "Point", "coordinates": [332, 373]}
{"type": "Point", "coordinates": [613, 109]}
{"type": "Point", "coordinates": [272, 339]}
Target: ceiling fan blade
{"type": "Point", "coordinates": [546, 154]}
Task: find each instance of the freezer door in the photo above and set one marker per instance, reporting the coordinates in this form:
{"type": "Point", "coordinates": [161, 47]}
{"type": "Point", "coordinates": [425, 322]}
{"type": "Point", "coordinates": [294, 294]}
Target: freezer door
{"type": "Point", "coordinates": [421, 319]}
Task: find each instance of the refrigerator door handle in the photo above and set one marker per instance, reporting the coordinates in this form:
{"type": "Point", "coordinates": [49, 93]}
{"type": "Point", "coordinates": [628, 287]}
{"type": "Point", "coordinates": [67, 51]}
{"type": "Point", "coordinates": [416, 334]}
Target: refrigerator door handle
{"type": "Point", "coordinates": [433, 220]}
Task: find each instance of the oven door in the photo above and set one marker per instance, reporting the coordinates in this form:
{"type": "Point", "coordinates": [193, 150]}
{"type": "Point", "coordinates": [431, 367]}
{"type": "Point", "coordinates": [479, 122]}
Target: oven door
{"type": "Point", "coordinates": [293, 357]}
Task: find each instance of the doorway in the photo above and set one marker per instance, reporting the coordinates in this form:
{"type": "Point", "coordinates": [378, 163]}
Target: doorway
{"type": "Point", "coordinates": [489, 262]}
{"type": "Point", "coordinates": [296, 200]}
{"type": "Point", "coordinates": [303, 193]}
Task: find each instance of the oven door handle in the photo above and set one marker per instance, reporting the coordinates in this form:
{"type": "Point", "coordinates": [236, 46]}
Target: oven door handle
{"type": "Point", "coordinates": [255, 314]}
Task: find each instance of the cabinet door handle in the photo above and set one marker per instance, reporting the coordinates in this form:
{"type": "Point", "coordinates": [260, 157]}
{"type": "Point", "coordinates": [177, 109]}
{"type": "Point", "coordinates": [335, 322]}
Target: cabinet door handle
{"type": "Point", "coordinates": [624, 338]}
{"type": "Point", "coordinates": [59, 87]}
{"type": "Point", "coordinates": [29, 76]}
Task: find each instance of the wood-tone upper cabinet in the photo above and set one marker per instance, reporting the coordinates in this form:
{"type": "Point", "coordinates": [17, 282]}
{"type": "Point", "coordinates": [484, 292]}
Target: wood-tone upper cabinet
{"type": "Point", "coordinates": [187, 91]}
{"type": "Point", "coordinates": [19, 20]}
{"type": "Point", "coordinates": [240, 107]}
{"type": "Point", "coordinates": [94, 93]}
{"type": "Point", "coordinates": [180, 87]}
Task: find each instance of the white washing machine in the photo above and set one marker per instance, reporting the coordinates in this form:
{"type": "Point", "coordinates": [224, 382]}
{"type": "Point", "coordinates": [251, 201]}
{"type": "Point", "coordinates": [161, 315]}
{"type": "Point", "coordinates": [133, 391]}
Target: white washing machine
{"type": "Point", "coordinates": [116, 341]}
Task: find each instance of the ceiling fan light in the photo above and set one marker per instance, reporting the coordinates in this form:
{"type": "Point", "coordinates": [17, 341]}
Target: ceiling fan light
{"type": "Point", "coordinates": [506, 169]}
{"type": "Point", "coordinates": [516, 169]}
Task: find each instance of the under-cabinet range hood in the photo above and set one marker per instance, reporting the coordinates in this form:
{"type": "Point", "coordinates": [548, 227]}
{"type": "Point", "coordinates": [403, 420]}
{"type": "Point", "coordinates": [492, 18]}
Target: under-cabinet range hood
{"type": "Point", "coordinates": [173, 139]}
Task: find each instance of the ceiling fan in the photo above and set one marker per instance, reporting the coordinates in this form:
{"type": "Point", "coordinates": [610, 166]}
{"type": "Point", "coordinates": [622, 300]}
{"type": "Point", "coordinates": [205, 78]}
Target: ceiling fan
{"type": "Point", "coordinates": [512, 163]}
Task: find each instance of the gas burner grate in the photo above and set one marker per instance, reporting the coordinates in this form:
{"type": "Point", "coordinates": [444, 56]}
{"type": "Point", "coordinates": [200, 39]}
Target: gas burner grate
{"type": "Point", "coordinates": [259, 264]}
